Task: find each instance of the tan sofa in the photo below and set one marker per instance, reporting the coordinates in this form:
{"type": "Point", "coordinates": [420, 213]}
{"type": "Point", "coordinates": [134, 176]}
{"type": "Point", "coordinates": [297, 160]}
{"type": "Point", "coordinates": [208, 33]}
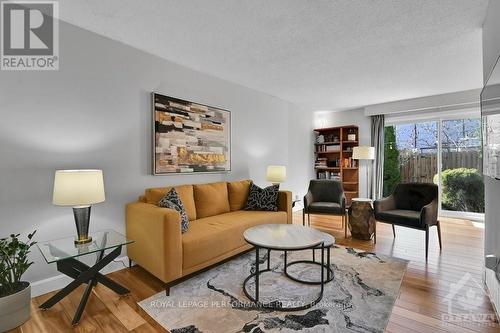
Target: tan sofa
{"type": "Point", "coordinates": [216, 226]}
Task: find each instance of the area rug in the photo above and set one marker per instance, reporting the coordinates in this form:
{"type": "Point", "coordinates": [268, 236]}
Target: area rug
{"type": "Point", "coordinates": [360, 298]}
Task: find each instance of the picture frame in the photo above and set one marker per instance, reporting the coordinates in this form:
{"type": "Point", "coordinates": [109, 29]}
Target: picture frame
{"type": "Point", "coordinates": [189, 137]}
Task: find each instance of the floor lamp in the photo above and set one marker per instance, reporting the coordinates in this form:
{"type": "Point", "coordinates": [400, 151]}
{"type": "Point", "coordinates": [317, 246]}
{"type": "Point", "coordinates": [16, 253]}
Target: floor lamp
{"type": "Point", "coordinates": [364, 153]}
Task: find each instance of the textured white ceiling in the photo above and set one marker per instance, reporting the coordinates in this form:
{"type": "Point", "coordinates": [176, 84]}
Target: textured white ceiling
{"type": "Point", "coordinates": [328, 54]}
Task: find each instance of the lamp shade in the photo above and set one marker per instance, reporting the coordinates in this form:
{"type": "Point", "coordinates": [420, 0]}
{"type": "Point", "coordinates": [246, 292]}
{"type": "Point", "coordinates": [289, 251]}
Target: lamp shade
{"type": "Point", "coordinates": [276, 173]}
{"type": "Point", "coordinates": [363, 153]}
{"type": "Point", "coordinates": [78, 187]}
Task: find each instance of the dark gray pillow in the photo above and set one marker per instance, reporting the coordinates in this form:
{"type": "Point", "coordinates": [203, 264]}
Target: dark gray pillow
{"type": "Point", "coordinates": [263, 198]}
{"type": "Point", "coordinates": [171, 200]}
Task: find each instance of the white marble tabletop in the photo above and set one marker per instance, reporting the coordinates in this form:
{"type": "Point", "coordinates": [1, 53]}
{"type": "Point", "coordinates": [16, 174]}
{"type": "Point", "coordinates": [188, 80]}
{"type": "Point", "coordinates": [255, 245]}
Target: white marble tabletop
{"type": "Point", "coordinates": [285, 236]}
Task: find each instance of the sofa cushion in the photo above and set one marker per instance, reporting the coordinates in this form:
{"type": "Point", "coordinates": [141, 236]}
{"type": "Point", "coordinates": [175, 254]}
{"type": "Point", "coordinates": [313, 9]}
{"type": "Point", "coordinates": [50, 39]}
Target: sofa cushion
{"type": "Point", "coordinates": [172, 201]}
{"type": "Point", "coordinates": [263, 198]}
{"type": "Point", "coordinates": [325, 207]}
{"type": "Point", "coordinates": [211, 199]}
{"type": "Point", "coordinates": [414, 196]}
{"type": "Point", "coordinates": [185, 192]}
{"type": "Point", "coordinates": [211, 237]}
{"type": "Point", "coordinates": [238, 194]}
{"type": "Point", "coordinates": [402, 217]}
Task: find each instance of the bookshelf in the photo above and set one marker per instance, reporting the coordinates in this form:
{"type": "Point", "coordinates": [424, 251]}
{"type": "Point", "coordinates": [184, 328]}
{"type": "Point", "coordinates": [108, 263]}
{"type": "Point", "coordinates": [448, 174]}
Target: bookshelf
{"type": "Point", "coordinates": [333, 157]}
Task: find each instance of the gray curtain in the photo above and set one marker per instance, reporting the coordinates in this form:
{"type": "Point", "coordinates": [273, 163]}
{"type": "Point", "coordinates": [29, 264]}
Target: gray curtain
{"type": "Point", "coordinates": [378, 125]}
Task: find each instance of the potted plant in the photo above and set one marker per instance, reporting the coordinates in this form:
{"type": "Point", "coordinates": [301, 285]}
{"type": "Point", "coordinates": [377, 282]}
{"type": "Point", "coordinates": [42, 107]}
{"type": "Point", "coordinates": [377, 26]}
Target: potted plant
{"type": "Point", "coordinates": [15, 294]}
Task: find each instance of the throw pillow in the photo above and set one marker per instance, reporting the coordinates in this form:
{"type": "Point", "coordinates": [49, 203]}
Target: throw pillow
{"type": "Point", "coordinates": [263, 198]}
{"type": "Point", "coordinates": [171, 200]}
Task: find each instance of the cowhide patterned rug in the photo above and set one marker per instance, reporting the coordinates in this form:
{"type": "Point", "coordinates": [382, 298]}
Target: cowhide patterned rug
{"type": "Point", "coordinates": [359, 299]}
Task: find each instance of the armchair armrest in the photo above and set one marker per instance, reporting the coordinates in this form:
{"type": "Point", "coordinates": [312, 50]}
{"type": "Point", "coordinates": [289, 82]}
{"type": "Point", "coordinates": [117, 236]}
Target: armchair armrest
{"type": "Point", "coordinates": [342, 201]}
{"type": "Point", "coordinates": [429, 213]}
{"type": "Point", "coordinates": [157, 237]}
{"type": "Point", "coordinates": [308, 199]}
{"type": "Point", "coordinates": [285, 204]}
{"type": "Point", "coordinates": [384, 204]}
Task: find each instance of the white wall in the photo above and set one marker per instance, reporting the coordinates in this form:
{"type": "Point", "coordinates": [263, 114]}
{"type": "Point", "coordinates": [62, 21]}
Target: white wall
{"type": "Point", "coordinates": [95, 113]}
{"type": "Point", "coordinates": [350, 117]}
{"type": "Point", "coordinates": [491, 51]}
{"type": "Point", "coordinates": [300, 151]}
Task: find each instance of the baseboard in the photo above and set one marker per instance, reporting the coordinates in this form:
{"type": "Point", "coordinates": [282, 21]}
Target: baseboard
{"type": "Point", "coordinates": [59, 281]}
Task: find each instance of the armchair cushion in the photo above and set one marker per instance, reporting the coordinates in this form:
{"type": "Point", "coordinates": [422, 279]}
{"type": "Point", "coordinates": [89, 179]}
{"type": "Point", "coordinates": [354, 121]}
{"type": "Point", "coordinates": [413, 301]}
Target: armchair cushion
{"type": "Point", "coordinates": [402, 217]}
{"type": "Point", "coordinates": [326, 190]}
{"type": "Point", "coordinates": [325, 207]}
{"type": "Point", "coordinates": [414, 196]}
{"type": "Point", "coordinates": [325, 196]}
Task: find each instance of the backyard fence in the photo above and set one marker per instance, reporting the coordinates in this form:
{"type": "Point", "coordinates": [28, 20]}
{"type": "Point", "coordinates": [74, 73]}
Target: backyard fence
{"type": "Point", "coordinates": [421, 167]}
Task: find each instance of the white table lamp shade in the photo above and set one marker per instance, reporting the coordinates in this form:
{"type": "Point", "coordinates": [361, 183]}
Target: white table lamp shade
{"type": "Point", "coordinates": [276, 174]}
{"type": "Point", "coordinates": [78, 187]}
{"type": "Point", "coordinates": [363, 153]}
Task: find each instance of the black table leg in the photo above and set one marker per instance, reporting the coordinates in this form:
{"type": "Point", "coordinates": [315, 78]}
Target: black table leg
{"type": "Point", "coordinates": [277, 305]}
{"type": "Point", "coordinates": [257, 274]}
{"type": "Point", "coordinates": [322, 267]}
{"type": "Point", "coordinates": [83, 303]}
{"type": "Point", "coordinates": [328, 263]}
{"type": "Point", "coordinates": [82, 273]}
{"type": "Point", "coordinates": [268, 259]}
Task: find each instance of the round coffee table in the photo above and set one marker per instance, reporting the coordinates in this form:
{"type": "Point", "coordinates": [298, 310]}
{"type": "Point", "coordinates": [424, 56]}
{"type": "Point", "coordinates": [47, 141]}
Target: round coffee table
{"type": "Point", "coordinates": [287, 237]}
{"type": "Point", "coordinates": [328, 241]}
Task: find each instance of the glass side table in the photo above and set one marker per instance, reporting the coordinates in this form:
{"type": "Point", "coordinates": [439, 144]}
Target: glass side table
{"type": "Point", "coordinates": [64, 252]}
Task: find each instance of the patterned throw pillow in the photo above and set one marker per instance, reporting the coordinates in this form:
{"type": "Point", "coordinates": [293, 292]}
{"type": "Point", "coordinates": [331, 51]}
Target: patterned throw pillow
{"type": "Point", "coordinates": [171, 200]}
{"type": "Point", "coordinates": [263, 198]}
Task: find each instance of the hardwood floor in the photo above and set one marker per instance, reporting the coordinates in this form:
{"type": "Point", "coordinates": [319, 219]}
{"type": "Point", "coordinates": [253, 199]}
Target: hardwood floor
{"type": "Point", "coordinates": [419, 308]}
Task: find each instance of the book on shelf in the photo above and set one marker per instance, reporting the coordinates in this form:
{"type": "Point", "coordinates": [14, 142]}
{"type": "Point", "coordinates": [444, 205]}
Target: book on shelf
{"type": "Point", "coordinates": [328, 148]}
{"type": "Point", "coordinates": [333, 148]}
{"type": "Point", "coordinates": [329, 175]}
{"type": "Point", "coordinates": [349, 163]}
{"type": "Point", "coordinates": [321, 162]}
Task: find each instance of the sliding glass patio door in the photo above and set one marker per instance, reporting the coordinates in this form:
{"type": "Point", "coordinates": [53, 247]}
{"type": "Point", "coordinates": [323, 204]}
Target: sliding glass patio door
{"type": "Point", "coordinates": [411, 154]}
{"type": "Point", "coordinates": [446, 152]}
{"type": "Point", "coordinates": [461, 180]}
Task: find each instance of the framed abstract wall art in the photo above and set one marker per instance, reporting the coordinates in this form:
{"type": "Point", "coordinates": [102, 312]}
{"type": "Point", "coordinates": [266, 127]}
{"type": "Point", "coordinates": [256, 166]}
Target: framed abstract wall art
{"type": "Point", "coordinates": [189, 137]}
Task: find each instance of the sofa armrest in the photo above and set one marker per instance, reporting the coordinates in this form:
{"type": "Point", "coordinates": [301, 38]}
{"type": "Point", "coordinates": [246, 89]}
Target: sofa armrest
{"type": "Point", "coordinates": [384, 204]}
{"type": "Point", "coordinates": [285, 204]}
{"type": "Point", "coordinates": [429, 214]}
{"type": "Point", "coordinates": [157, 237]}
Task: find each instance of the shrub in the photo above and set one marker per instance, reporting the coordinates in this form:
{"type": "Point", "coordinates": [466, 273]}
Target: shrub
{"type": "Point", "coordinates": [462, 190]}
{"type": "Point", "coordinates": [392, 175]}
